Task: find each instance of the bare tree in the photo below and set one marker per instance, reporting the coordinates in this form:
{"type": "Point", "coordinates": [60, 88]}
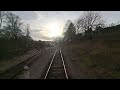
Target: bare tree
{"type": "Point", "coordinates": [89, 19]}
{"type": "Point", "coordinates": [28, 37]}
{"type": "Point", "coordinates": [27, 30]}
{"type": "Point", "coordinates": [66, 25]}
{"type": "Point", "coordinates": [2, 14]}
{"type": "Point", "coordinates": [13, 25]}
{"type": "Point", "coordinates": [70, 32]}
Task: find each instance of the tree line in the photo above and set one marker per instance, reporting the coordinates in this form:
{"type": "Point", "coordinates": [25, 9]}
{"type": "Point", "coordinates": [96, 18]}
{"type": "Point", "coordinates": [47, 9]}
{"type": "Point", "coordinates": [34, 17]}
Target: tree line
{"type": "Point", "coordinates": [14, 34]}
{"type": "Point", "coordinates": [88, 25]}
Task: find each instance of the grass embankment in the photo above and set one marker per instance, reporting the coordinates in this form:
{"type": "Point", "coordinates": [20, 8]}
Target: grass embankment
{"type": "Point", "coordinates": [98, 58]}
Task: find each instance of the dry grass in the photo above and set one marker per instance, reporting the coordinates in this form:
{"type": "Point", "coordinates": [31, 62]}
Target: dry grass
{"type": "Point", "coordinates": [98, 59]}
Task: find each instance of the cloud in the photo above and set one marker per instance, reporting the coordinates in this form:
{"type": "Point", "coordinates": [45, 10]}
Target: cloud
{"type": "Point", "coordinates": [39, 20]}
{"type": "Point", "coordinates": [26, 15]}
{"type": "Point", "coordinates": [58, 15]}
{"type": "Point", "coordinates": [35, 30]}
{"type": "Point", "coordinates": [40, 36]}
{"type": "Point", "coordinates": [111, 16]}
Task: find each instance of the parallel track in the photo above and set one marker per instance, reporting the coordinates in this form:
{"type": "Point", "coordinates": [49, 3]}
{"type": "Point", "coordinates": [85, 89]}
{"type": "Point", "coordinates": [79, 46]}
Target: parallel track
{"type": "Point", "coordinates": [56, 69]}
{"type": "Point", "coordinates": [13, 71]}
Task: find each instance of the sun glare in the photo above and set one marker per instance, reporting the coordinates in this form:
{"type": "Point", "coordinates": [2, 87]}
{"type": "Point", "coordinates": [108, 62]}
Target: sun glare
{"type": "Point", "coordinates": [54, 30]}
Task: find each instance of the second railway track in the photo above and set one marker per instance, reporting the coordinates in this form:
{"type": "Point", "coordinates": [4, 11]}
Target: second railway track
{"type": "Point", "coordinates": [11, 72]}
{"type": "Point", "coordinates": [57, 68]}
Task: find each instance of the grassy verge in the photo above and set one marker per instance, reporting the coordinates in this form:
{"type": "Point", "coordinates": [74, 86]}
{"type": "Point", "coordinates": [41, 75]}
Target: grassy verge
{"type": "Point", "coordinates": [98, 58]}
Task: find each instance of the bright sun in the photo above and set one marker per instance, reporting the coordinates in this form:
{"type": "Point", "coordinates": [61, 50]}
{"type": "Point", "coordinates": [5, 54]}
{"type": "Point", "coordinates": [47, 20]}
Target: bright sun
{"type": "Point", "coordinates": [54, 30]}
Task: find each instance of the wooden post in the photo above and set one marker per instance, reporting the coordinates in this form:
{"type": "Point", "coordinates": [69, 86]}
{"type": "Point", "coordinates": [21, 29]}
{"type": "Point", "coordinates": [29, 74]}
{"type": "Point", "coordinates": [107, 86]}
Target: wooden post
{"type": "Point", "coordinates": [26, 72]}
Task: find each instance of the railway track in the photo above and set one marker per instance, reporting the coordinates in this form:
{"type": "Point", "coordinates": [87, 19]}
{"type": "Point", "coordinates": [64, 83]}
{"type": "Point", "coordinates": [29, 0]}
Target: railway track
{"type": "Point", "coordinates": [56, 69]}
{"type": "Point", "coordinates": [14, 70]}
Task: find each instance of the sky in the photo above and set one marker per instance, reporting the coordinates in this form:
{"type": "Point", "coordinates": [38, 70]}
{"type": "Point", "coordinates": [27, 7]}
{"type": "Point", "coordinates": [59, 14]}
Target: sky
{"type": "Point", "coordinates": [46, 25]}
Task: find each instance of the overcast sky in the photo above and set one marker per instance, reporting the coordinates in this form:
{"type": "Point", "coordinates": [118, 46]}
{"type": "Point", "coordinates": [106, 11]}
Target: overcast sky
{"type": "Point", "coordinates": [45, 25]}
